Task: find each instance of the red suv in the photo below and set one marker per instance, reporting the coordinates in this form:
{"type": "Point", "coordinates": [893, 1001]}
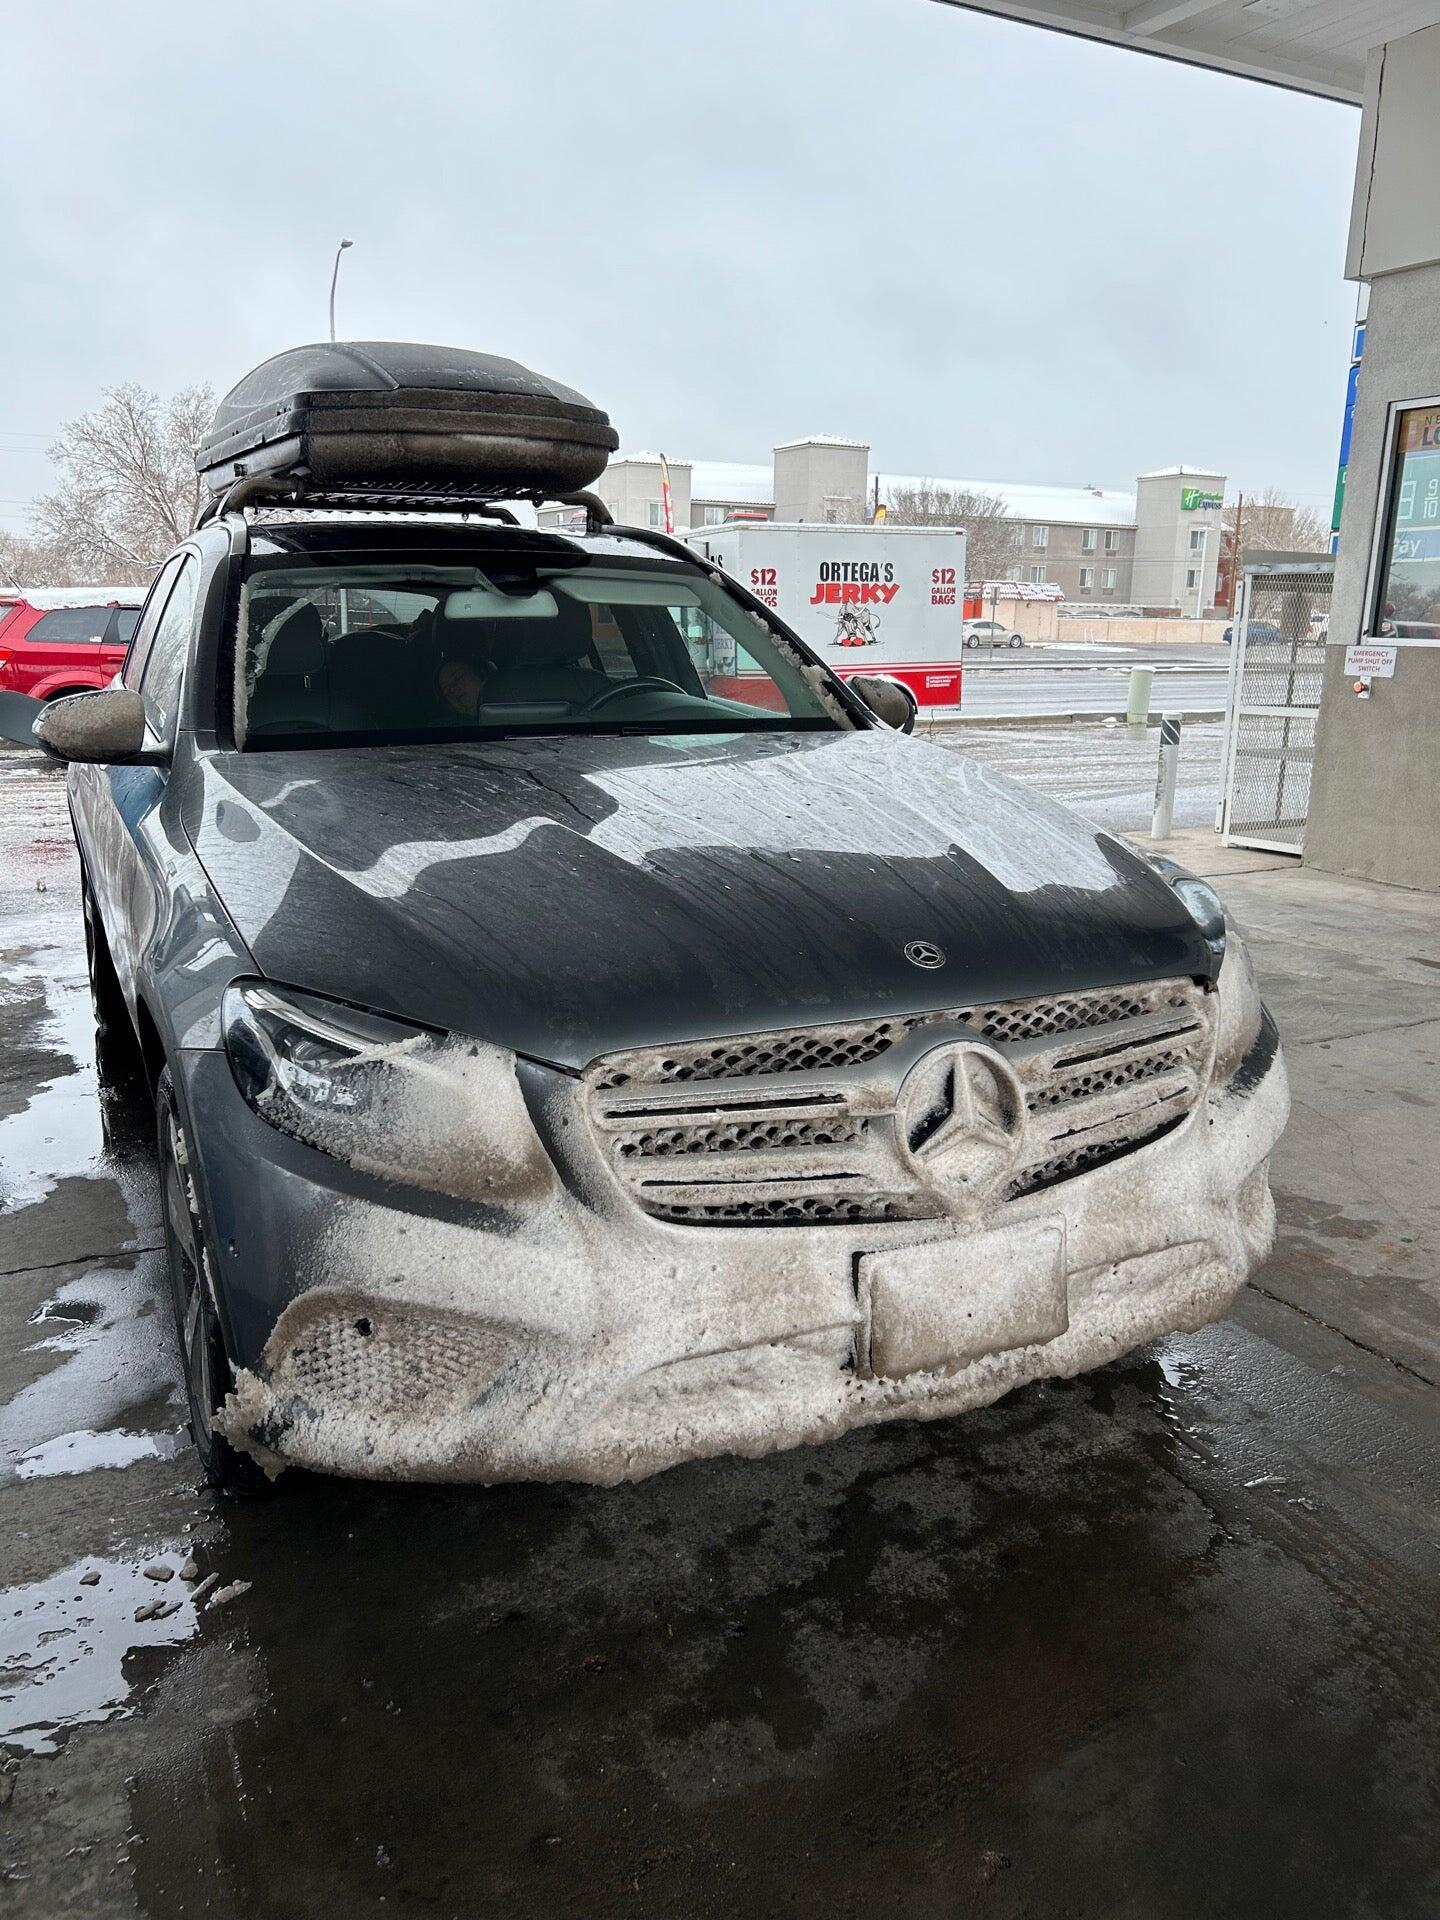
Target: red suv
{"type": "Point", "coordinates": [64, 639]}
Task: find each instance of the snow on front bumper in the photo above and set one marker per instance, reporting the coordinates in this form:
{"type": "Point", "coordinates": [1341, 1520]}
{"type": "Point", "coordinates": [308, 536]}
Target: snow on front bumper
{"type": "Point", "coordinates": [591, 1343]}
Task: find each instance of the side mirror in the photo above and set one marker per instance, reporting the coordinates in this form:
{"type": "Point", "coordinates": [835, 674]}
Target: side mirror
{"type": "Point", "coordinates": [887, 700]}
{"type": "Point", "coordinates": [18, 714]}
{"type": "Point", "coordinates": [107, 726]}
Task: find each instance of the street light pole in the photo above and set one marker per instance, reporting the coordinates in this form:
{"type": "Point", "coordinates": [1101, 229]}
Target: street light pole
{"type": "Point", "coordinates": [333, 278]}
{"type": "Point", "coordinates": [1200, 578]}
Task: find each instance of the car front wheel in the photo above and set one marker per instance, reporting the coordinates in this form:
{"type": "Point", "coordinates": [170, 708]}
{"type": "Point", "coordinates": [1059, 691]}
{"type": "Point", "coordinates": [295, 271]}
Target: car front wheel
{"type": "Point", "coordinates": [208, 1373]}
{"type": "Point", "coordinates": [1017, 640]}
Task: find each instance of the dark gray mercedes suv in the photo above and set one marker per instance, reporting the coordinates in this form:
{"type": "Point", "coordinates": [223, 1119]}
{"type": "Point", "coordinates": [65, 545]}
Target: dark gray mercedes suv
{"type": "Point", "coordinates": [586, 1036]}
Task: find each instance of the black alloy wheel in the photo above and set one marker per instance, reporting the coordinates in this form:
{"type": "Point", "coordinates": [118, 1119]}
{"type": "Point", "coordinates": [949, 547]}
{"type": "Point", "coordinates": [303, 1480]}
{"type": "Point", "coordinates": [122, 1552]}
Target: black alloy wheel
{"type": "Point", "coordinates": [206, 1364]}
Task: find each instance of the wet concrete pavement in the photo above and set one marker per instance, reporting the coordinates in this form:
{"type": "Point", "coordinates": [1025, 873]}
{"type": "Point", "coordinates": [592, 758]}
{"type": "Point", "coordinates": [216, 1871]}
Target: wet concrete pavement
{"type": "Point", "coordinates": [1160, 1641]}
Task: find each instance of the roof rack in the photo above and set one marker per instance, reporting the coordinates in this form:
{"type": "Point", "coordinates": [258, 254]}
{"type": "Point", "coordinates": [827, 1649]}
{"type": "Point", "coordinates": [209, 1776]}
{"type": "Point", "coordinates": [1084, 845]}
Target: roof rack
{"type": "Point", "coordinates": [281, 490]}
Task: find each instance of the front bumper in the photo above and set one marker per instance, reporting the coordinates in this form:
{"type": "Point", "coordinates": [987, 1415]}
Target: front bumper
{"type": "Point", "coordinates": [397, 1336]}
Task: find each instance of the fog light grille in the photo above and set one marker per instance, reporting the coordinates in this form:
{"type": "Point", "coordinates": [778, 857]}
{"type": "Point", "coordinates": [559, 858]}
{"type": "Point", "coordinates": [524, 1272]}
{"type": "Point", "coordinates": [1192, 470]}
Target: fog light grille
{"type": "Point", "coordinates": [411, 1363]}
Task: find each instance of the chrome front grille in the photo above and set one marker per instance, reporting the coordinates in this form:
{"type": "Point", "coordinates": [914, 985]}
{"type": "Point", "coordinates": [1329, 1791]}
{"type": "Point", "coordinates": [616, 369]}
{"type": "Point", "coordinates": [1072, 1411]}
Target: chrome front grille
{"type": "Point", "coordinates": [809, 1126]}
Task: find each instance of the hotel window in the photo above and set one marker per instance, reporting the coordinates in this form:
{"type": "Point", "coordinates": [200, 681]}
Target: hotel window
{"type": "Point", "coordinates": [1087, 579]}
{"type": "Point", "coordinates": [1197, 539]}
{"type": "Point", "coordinates": [714, 516]}
{"type": "Point", "coordinates": [1107, 579]}
{"type": "Point", "coordinates": [1040, 536]}
{"type": "Point", "coordinates": [1087, 540]}
{"type": "Point", "coordinates": [653, 515]}
{"type": "Point", "coordinates": [1112, 540]}
{"type": "Point", "coordinates": [1192, 579]}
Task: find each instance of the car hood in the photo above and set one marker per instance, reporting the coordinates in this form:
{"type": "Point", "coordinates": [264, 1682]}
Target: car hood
{"type": "Point", "coordinates": [564, 897]}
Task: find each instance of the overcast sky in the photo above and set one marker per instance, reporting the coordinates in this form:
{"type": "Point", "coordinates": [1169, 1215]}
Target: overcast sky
{"type": "Point", "coordinates": [986, 249]}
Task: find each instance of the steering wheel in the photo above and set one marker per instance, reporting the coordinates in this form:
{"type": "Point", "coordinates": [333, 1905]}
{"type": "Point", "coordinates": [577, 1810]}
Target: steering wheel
{"type": "Point", "coordinates": [647, 682]}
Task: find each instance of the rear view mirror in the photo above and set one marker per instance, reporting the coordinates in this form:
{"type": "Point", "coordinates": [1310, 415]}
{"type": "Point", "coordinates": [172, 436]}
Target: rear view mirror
{"type": "Point", "coordinates": [887, 700]}
{"type": "Point", "coordinates": [107, 726]}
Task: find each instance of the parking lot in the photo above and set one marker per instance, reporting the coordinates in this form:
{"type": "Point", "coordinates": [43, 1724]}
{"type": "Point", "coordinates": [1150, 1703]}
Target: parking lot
{"type": "Point", "coordinates": [1159, 1640]}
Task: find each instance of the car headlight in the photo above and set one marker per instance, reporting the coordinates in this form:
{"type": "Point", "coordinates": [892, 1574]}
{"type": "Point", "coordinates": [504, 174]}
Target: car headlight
{"type": "Point", "coordinates": [426, 1109]}
{"type": "Point", "coordinates": [1240, 1010]}
{"type": "Point", "coordinates": [1198, 898]}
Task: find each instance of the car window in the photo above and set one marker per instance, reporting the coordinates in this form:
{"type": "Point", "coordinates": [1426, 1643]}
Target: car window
{"type": "Point", "coordinates": [126, 621]}
{"type": "Point", "coordinates": [366, 648]}
{"type": "Point", "coordinates": [149, 619]}
{"type": "Point", "coordinates": [70, 625]}
{"type": "Point", "coordinates": [165, 662]}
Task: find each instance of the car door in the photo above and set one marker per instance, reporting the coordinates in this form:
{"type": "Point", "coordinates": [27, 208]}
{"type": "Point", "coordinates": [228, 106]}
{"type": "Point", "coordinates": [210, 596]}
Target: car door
{"type": "Point", "coordinates": [118, 635]}
{"type": "Point", "coordinates": [63, 651]}
{"type": "Point", "coordinates": [114, 806]}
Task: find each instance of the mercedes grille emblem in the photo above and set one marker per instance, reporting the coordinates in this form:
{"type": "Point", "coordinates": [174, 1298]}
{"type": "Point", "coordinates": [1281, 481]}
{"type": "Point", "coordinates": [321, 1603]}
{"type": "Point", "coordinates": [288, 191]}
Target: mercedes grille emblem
{"type": "Point", "coordinates": [961, 1118]}
{"type": "Point", "coordinates": [925, 953]}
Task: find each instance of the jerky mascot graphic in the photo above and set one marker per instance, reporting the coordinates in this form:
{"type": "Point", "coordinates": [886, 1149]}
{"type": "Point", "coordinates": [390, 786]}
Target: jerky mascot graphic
{"type": "Point", "coordinates": [856, 627]}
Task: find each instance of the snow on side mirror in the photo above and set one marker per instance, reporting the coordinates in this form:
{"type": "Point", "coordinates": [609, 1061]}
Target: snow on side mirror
{"type": "Point", "coordinates": [887, 700]}
{"type": "Point", "coordinates": [107, 726]}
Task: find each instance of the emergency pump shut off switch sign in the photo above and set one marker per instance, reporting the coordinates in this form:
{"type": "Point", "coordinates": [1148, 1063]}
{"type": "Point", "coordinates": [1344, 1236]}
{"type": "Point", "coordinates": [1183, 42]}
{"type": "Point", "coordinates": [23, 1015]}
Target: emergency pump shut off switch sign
{"type": "Point", "coordinates": [874, 600]}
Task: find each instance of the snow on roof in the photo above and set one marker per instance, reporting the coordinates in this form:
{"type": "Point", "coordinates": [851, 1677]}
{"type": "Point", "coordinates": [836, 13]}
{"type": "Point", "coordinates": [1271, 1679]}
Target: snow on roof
{"type": "Point", "coordinates": [732, 480]}
{"type": "Point", "coordinates": [49, 598]}
{"type": "Point", "coordinates": [821, 440]}
{"type": "Point", "coordinates": [645, 459]}
{"type": "Point", "coordinates": [739, 482]}
{"type": "Point", "coordinates": [1175, 473]}
{"type": "Point", "coordinates": [1034, 500]}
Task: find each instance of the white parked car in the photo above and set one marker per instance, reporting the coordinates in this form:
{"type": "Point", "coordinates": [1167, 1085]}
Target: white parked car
{"type": "Point", "coordinates": [990, 633]}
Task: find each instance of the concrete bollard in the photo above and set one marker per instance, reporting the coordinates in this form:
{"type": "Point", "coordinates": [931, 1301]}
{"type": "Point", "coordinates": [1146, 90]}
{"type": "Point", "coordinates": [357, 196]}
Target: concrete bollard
{"type": "Point", "coordinates": [1165, 779]}
{"type": "Point", "coordinates": [1137, 711]}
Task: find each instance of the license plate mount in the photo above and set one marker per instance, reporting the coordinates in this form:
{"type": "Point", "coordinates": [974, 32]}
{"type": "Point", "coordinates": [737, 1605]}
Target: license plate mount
{"type": "Point", "coordinates": [937, 1307]}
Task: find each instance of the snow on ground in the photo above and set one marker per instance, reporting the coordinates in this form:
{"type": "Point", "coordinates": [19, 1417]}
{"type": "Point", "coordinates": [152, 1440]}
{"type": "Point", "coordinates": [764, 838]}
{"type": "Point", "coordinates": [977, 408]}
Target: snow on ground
{"type": "Point", "coordinates": [1105, 772]}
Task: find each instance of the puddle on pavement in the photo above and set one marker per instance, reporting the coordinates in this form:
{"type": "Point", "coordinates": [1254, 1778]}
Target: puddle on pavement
{"type": "Point", "coordinates": [64, 1646]}
{"type": "Point", "coordinates": [114, 1332]}
{"type": "Point", "coordinates": [81, 1120]}
{"type": "Point", "coordinates": [86, 1452]}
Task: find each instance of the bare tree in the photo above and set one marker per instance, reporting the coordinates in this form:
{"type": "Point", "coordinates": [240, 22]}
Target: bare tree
{"type": "Point", "coordinates": [1272, 522]}
{"type": "Point", "coordinates": [35, 563]}
{"type": "Point", "coordinates": [128, 487]}
{"type": "Point", "coordinates": [993, 540]}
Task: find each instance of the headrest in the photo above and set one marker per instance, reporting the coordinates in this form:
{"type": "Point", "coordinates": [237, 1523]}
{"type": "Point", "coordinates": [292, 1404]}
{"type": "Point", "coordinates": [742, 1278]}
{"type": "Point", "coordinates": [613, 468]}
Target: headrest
{"type": "Point", "coordinates": [294, 642]}
{"type": "Point", "coordinates": [558, 643]}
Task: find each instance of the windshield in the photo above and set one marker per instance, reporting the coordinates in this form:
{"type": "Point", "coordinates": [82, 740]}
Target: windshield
{"type": "Point", "coordinates": [337, 649]}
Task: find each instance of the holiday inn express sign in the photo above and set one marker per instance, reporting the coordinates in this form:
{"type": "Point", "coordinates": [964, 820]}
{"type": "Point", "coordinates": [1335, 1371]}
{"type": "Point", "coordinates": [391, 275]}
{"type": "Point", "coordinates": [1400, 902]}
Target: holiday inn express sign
{"type": "Point", "coordinates": [1195, 499]}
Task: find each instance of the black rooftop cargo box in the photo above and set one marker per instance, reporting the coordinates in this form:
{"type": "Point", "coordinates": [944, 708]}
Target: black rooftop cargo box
{"type": "Point", "coordinates": [387, 416]}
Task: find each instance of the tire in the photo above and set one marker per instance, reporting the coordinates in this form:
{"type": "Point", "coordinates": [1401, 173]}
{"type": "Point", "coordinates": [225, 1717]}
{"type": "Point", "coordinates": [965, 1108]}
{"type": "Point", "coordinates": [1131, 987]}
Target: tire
{"type": "Point", "coordinates": [122, 1084]}
{"type": "Point", "coordinates": [1016, 640]}
{"type": "Point", "coordinates": [203, 1357]}
{"type": "Point", "coordinates": [110, 1013]}
{"type": "Point", "coordinates": [971, 640]}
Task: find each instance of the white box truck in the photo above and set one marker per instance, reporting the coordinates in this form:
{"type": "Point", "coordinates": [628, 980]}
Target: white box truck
{"type": "Point", "coordinates": [884, 601]}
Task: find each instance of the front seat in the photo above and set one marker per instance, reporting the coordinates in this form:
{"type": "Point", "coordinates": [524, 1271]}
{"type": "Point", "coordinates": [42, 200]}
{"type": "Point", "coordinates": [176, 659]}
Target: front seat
{"type": "Point", "coordinates": [539, 663]}
{"type": "Point", "coordinates": [290, 690]}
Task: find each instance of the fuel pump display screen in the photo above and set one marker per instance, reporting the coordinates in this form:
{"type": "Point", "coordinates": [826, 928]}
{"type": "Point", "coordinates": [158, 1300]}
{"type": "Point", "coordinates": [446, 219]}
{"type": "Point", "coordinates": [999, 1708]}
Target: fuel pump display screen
{"type": "Point", "coordinates": [1407, 597]}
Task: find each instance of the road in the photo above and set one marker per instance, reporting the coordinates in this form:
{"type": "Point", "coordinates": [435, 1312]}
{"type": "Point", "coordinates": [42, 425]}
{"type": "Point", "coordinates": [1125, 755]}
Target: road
{"type": "Point", "coordinates": [1157, 1642]}
{"type": "Point", "coordinates": [1093, 680]}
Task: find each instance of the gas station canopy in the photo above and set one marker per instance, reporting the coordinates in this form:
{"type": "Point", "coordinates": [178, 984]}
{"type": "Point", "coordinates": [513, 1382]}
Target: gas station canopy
{"type": "Point", "coordinates": [1313, 46]}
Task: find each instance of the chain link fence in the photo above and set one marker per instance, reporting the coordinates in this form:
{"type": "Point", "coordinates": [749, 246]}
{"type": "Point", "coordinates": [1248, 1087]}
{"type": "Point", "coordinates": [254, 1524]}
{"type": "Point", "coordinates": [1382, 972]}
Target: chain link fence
{"type": "Point", "coordinates": [1277, 665]}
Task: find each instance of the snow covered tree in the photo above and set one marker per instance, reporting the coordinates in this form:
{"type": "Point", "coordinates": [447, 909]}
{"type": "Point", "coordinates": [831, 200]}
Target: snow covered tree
{"type": "Point", "coordinates": [128, 488]}
{"type": "Point", "coordinates": [993, 541]}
